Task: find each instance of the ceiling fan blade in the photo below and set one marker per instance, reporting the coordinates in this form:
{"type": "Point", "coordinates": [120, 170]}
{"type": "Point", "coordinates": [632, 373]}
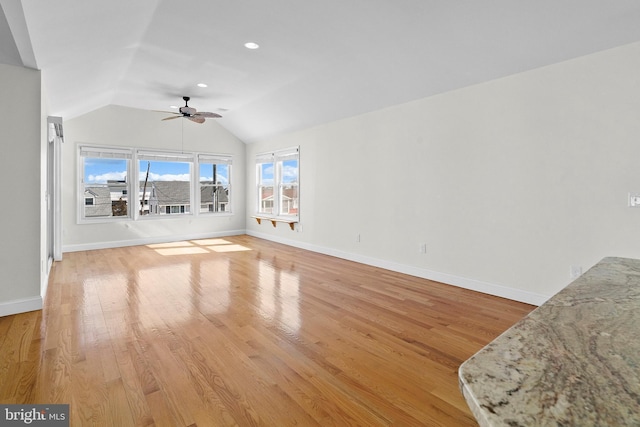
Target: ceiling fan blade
{"type": "Point", "coordinates": [196, 119]}
{"type": "Point", "coordinates": [172, 117]}
{"type": "Point", "coordinates": [208, 114]}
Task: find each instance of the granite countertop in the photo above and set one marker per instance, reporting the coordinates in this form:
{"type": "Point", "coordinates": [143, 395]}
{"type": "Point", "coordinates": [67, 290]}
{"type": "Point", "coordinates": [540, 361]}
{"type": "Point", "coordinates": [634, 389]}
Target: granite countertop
{"type": "Point", "coordinates": [573, 361]}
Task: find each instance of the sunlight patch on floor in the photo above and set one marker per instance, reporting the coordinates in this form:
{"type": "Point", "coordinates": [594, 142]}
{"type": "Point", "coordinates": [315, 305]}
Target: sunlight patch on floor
{"type": "Point", "coordinates": [210, 242]}
{"type": "Point", "coordinates": [201, 246]}
{"type": "Point", "coordinates": [181, 251]}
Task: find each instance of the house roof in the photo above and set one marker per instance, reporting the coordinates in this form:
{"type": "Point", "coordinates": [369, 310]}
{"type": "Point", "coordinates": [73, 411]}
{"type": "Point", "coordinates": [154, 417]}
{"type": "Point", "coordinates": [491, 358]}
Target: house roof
{"type": "Point", "coordinates": [170, 192]}
{"type": "Point", "coordinates": [287, 192]}
{"type": "Point", "coordinates": [101, 204]}
{"type": "Point", "coordinates": [317, 62]}
{"type": "Point", "coordinates": [206, 193]}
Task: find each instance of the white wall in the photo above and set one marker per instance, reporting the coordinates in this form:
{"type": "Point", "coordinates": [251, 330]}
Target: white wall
{"type": "Point", "coordinates": [44, 225]}
{"type": "Point", "coordinates": [508, 183]}
{"type": "Point", "coordinates": [128, 127]}
{"type": "Point", "coordinates": [20, 121]}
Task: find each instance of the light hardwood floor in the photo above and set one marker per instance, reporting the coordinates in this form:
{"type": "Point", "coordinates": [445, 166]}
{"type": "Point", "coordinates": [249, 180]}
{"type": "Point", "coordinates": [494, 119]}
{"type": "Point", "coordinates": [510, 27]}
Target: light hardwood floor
{"type": "Point", "coordinates": [242, 331]}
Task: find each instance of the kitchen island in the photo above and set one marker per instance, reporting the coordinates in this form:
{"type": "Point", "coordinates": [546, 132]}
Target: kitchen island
{"type": "Point", "coordinates": [573, 361]}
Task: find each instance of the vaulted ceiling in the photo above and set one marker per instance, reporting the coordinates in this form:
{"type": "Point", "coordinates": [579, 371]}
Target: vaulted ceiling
{"type": "Point", "coordinates": [318, 61]}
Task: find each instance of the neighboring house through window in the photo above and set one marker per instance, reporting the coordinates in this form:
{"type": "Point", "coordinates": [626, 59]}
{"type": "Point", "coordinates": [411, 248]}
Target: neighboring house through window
{"type": "Point", "coordinates": [165, 183]}
{"type": "Point", "coordinates": [104, 173]}
{"type": "Point", "coordinates": [165, 179]}
{"type": "Point", "coordinates": [215, 183]}
{"type": "Point", "coordinates": [277, 183]}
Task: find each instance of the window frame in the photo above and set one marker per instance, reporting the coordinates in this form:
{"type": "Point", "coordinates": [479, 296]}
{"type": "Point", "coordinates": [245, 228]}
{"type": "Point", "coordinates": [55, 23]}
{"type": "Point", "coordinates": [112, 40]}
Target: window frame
{"type": "Point", "coordinates": [276, 159]}
{"type": "Point", "coordinates": [86, 151]}
{"type": "Point", "coordinates": [133, 186]}
{"type": "Point", "coordinates": [218, 159]}
{"type": "Point", "coordinates": [150, 155]}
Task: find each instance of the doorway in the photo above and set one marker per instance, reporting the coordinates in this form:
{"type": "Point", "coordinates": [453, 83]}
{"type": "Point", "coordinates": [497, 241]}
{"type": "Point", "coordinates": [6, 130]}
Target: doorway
{"type": "Point", "coordinates": [53, 194]}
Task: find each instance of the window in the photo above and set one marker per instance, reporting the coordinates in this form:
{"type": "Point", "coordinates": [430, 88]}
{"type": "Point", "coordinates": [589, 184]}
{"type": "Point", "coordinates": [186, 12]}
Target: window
{"type": "Point", "coordinates": [160, 183]}
{"type": "Point", "coordinates": [165, 183]}
{"type": "Point", "coordinates": [277, 182]}
{"type": "Point", "coordinates": [215, 183]}
{"type": "Point", "coordinates": [104, 173]}
{"type": "Point", "coordinates": [265, 180]}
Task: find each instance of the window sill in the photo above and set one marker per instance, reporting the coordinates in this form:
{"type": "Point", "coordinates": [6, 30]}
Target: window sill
{"type": "Point", "coordinates": [274, 220]}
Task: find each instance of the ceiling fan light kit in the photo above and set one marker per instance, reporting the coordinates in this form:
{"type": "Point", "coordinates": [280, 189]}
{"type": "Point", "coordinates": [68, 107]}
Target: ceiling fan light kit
{"type": "Point", "coordinates": [192, 114]}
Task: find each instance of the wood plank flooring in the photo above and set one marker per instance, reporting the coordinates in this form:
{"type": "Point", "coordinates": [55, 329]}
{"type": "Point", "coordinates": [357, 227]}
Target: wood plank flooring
{"type": "Point", "coordinates": [243, 331]}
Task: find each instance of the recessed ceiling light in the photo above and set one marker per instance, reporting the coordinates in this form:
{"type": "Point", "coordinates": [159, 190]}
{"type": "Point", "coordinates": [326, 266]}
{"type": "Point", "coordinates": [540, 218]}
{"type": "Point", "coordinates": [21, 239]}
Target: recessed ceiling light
{"type": "Point", "coordinates": [202, 85]}
{"type": "Point", "coordinates": [251, 45]}
{"type": "Point", "coordinates": [173, 106]}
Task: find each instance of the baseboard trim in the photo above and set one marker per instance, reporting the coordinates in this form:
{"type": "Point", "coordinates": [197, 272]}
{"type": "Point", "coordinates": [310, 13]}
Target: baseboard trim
{"type": "Point", "coordinates": [148, 241]}
{"type": "Point", "coordinates": [449, 279]}
{"type": "Point", "coordinates": [20, 306]}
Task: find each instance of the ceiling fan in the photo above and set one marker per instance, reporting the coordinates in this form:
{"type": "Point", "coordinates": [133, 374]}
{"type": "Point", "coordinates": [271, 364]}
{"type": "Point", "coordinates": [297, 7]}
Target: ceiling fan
{"type": "Point", "coordinates": [191, 113]}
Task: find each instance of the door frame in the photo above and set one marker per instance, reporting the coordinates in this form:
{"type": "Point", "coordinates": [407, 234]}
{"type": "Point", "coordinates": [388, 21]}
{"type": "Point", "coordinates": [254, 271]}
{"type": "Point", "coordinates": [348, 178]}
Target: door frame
{"type": "Point", "coordinates": [54, 188]}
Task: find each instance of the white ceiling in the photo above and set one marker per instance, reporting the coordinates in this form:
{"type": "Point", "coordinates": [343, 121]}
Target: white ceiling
{"type": "Point", "coordinates": [319, 60]}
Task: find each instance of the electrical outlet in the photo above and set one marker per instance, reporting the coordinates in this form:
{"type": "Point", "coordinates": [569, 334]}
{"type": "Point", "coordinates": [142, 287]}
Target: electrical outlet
{"type": "Point", "coordinates": [358, 237]}
{"type": "Point", "coordinates": [634, 200]}
{"type": "Point", "coordinates": [423, 248]}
